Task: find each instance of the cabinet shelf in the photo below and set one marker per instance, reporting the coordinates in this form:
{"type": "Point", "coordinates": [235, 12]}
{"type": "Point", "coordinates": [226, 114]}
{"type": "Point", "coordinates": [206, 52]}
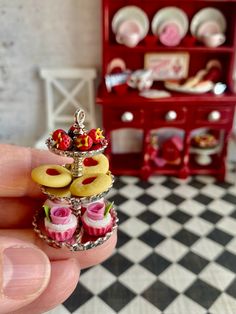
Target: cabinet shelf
{"type": "Point", "coordinates": [133, 98]}
{"type": "Point", "coordinates": [120, 49]}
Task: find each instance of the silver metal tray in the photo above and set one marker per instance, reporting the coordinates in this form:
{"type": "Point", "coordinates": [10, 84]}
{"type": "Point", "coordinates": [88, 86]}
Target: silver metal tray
{"type": "Point", "coordinates": [80, 241]}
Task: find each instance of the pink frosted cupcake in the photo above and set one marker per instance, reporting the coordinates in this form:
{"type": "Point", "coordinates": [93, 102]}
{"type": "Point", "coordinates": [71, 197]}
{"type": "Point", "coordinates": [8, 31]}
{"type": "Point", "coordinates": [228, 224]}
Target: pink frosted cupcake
{"type": "Point", "coordinates": [60, 224]}
{"type": "Point", "coordinates": [97, 220]}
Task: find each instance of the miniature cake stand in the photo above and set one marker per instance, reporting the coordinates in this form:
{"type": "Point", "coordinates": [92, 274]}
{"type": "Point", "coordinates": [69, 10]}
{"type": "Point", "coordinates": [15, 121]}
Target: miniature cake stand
{"type": "Point", "coordinates": [80, 241]}
{"type": "Point", "coordinates": [203, 155]}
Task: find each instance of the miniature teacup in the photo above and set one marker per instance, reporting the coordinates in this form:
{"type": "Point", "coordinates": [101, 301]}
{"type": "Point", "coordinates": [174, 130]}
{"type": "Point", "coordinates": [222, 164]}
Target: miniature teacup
{"type": "Point", "coordinates": [213, 40]}
{"type": "Point", "coordinates": [129, 33]}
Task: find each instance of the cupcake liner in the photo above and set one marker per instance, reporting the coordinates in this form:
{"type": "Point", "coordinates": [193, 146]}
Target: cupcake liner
{"type": "Point", "coordinates": [61, 236]}
{"type": "Point", "coordinates": [93, 231]}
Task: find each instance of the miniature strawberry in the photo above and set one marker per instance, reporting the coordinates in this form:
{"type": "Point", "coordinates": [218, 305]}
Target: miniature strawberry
{"type": "Point", "coordinates": [57, 134]}
{"type": "Point", "coordinates": [65, 142]}
{"type": "Point", "coordinates": [96, 135]}
{"type": "Point", "coordinates": [83, 142]}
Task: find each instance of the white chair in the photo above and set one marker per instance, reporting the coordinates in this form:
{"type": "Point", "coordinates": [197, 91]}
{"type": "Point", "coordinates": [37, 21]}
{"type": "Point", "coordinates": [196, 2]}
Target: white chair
{"type": "Point", "coordinates": [66, 90]}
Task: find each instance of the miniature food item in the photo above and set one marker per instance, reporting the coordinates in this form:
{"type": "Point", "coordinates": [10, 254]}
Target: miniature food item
{"type": "Point", "coordinates": [204, 141]}
{"type": "Point", "coordinates": [96, 164]}
{"type": "Point", "coordinates": [97, 220]}
{"type": "Point", "coordinates": [90, 184]}
{"type": "Point", "coordinates": [83, 142]}
{"type": "Point", "coordinates": [96, 135]}
{"type": "Point", "coordinates": [65, 142]}
{"type": "Point", "coordinates": [54, 176]}
{"type": "Point", "coordinates": [60, 224]}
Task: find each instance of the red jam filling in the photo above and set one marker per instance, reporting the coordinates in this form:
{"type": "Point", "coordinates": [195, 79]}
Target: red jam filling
{"type": "Point", "coordinates": [88, 180]}
{"type": "Point", "coordinates": [89, 162]}
{"type": "Point", "coordinates": [52, 172]}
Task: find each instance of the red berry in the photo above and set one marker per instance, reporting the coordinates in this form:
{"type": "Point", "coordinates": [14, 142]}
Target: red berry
{"type": "Point", "coordinates": [73, 130]}
{"type": "Point", "coordinates": [96, 135]}
{"type": "Point", "coordinates": [57, 134]}
{"type": "Point", "coordinates": [83, 142]}
{"type": "Point", "coordinates": [65, 142]}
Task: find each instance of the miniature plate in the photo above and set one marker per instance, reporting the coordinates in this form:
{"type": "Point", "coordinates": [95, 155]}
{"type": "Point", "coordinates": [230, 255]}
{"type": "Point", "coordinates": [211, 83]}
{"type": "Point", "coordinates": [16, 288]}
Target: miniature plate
{"type": "Point", "coordinates": [206, 15]}
{"type": "Point", "coordinates": [131, 12]}
{"type": "Point", "coordinates": [154, 93]}
{"type": "Point", "coordinates": [190, 90]}
{"type": "Point", "coordinates": [80, 241]}
{"type": "Point", "coordinates": [171, 14]}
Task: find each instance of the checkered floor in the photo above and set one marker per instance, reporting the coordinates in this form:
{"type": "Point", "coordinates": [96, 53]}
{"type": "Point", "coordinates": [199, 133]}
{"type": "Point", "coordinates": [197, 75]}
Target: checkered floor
{"type": "Point", "coordinates": [176, 251]}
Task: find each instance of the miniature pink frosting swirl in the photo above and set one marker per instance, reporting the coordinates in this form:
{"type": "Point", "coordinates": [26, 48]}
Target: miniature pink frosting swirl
{"type": "Point", "coordinates": [96, 210]}
{"type": "Point", "coordinates": [60, 215]}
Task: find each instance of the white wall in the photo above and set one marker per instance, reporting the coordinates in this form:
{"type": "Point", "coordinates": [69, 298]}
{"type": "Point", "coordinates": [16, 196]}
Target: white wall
{"type": "Point", "coordinates": [34, 34]}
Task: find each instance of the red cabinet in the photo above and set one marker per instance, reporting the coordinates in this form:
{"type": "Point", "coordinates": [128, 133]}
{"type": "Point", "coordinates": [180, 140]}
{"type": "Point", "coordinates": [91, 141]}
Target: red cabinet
{"type": "Point", "coordinates": [181, 115]}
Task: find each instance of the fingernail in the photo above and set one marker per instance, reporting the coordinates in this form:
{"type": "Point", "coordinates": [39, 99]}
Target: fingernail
{"type": "Point", "coordinates": [26, 271]}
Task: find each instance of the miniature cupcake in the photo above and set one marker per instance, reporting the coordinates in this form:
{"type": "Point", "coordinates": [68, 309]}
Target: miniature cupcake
{"type": "Point", "coordinates": [97, 220]}
{"type": "Point", "coordinates": [60, 224]}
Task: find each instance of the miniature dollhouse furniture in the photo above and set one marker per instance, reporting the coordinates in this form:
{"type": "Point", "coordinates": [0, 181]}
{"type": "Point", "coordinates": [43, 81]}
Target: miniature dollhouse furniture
{"type": "Point", "coordinates": [184, 114]}
{"type": "Point", "coordinates": [80, 94]}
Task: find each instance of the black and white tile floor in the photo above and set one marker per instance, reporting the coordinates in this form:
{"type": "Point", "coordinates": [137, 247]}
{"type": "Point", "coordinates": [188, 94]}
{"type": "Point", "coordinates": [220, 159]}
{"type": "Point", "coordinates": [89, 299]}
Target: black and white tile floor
{"type": "Point", "coordinates": [176, 251]}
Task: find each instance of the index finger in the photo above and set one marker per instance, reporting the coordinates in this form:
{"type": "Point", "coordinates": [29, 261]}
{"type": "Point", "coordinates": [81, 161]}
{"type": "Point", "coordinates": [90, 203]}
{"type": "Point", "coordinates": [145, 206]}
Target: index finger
{"type": "Point", "coordinates": [16, 164]}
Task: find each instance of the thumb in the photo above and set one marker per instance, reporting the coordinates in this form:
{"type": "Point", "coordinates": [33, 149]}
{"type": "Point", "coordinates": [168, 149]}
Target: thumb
{"type": "Point", "coordinates": [24, 273]}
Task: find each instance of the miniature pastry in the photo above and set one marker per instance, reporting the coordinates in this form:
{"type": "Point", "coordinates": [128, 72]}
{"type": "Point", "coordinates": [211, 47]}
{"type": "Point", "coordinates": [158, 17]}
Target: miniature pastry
{"type": "Point", "coordinates": [83, 142]}
{"type": "Point", "coordinates": [59, 192]}
{"type": "Point", "coordinates": [96, 135]}
{"type": "Point", "coordinates": [60, 224]}
{"type": "Point", "coordinates": [62, 140]}
{"type": "Point", "coordinates": [54, 176]}
{"type": "Point", "coordinates": [96, 164]}
{"type": "Point", "coordinates": [90, 184]}
{"type": "Point", "coordinates": [57, 134]}
{"type": "Point", "coordinates": [204, 141]}
{"type": "Point", "coordinates": [97, 220]}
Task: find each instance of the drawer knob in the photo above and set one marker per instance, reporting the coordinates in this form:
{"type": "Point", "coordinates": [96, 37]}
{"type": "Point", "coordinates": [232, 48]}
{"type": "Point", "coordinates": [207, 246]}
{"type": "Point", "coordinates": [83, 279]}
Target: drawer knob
{"type": "Point", "coordinates": [214, 116]}
{"type": "Point", "coordinates": [171, 115]}
{"type": "Point", "coordinates": [127, 117]}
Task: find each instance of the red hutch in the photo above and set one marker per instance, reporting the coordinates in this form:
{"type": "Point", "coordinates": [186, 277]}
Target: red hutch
{"type": "Point", "coordinates": [181, 114]}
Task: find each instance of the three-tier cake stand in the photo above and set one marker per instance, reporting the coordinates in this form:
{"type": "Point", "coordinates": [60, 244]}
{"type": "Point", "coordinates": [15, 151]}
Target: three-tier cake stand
{"type": "Point", "coordinates": [80, 241]}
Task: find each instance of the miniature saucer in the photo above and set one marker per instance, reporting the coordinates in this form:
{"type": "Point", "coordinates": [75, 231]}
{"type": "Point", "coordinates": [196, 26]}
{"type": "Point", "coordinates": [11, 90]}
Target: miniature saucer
{"type": "Point", "coordinates": [205, 15]}
{"type": "Point", "coordinates": [131, 13]}
{"type": "Point", "coordinates": [154, 93]}
{"type": "Point", "coordinates": [170, 13]}
{"type": "Point", "coordinates": [201, 89]}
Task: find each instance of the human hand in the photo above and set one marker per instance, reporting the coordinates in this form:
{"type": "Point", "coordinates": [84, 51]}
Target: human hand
{"type": "Point", "coordinates": [34, 277]}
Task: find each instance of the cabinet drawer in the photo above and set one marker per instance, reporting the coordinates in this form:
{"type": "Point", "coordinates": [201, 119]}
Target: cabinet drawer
{"type": "Point", "coordinates": [122, 118]}
{"type": "Point", "coordinates": [166, 117]}
{"type": "Point", "coordinates": [216, 115]}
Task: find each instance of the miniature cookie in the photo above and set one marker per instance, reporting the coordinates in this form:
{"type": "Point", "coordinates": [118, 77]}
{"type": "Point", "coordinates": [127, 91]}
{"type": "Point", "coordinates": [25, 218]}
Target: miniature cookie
{"type": "Point", "coordinates": [59, 192]}
{"type": "Point", "coordinates": [96, 164]}
{"type": "Point", "coordinates": [54, 176]}
{"type": "Point", "coordinates": [90, 184]}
